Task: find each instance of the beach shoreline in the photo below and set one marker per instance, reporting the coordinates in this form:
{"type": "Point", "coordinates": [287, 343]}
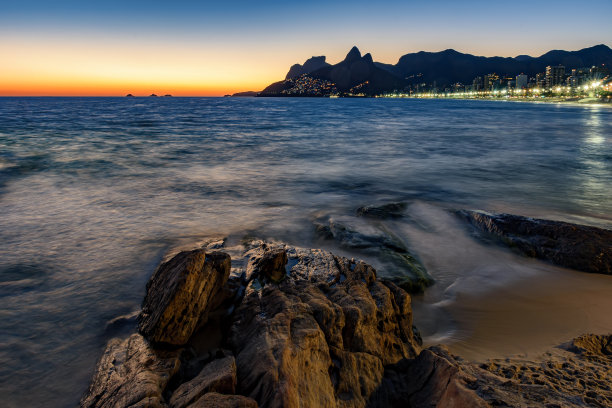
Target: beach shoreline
{"type": "Point", "coordinates": [279, 325]}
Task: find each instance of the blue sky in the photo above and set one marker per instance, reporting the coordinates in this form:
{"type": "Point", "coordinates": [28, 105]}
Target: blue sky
{"type": "Point", "coordinates": [262, 39]}
{"type": "Point", "coordinates": [481, 27]}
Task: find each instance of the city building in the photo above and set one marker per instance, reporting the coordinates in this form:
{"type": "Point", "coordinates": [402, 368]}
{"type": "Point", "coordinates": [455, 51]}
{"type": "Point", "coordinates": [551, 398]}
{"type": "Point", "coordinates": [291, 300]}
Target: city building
{"type": "Point", "coordinates": [521, 81]}
{"type": "Point", "coordinates": [491, 81]}
{"type": "Point", "coordinates": [598, 72]}
{"type": "Point", "coordinates": [555, 75]}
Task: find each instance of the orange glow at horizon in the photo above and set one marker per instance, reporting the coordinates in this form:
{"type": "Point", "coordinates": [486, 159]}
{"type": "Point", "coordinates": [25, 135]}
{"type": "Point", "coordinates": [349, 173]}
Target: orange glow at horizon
{"type": "Point", "coordinates": [86, 69]}
{"type": "Point", "coordinates": [122, 88]}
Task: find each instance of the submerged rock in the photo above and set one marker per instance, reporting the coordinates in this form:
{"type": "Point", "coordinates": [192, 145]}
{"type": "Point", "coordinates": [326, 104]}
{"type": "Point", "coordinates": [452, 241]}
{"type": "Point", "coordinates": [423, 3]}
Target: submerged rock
{"type": "Point", "coordinates": [580, 247]}
{"type": "Point", "coordinates": [385, 211]}
{"type": "Point", "coordinates": [401, 265]}
{"type": "Point", "coordinates": [131, 373]}
{"type": "Point", "coordinates": [180, 293]}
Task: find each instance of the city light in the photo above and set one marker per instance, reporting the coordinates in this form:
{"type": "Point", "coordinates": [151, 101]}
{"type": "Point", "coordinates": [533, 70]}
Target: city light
{"type": "Point", "coordinates": [578, 83]}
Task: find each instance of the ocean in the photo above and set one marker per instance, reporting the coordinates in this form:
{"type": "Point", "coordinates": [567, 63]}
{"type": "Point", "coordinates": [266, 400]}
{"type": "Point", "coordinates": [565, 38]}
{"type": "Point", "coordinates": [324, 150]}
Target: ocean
{"type": "Point", "coordinates": [94, 192]}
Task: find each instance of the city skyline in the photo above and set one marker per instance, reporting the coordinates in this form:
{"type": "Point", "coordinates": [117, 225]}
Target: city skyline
{"type": "Point", "coordinates": [202, 49]}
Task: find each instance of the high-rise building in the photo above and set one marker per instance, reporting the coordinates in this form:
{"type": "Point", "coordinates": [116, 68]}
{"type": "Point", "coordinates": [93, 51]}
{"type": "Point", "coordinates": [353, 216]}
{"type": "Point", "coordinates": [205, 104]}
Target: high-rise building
{"type": "Point", "coordinates": [521, 81]}
{"type": "Point", "coordinates": [491, 81]}
{"type": "Point", "coordinates": [555, 75]}
{"type": "Point", "coordinates": [598, 72]}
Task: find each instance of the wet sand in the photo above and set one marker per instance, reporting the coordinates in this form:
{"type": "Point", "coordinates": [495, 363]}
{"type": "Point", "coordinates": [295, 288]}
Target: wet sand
{"type": "Point", "coordinates": [489, 302]}
{"type": "Point", "coordinates": [531, 316]}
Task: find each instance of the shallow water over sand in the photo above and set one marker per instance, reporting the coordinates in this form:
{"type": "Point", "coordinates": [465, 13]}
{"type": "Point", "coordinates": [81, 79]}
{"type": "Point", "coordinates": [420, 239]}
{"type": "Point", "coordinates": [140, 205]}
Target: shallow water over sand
{"type": "Point", "coordinates": [94, 191]}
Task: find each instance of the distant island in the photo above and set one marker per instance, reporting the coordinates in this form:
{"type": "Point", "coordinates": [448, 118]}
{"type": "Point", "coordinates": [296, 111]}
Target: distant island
{"type": "Point", "coordinates": [585, 72]}
{"type": "Point", "coordinates": [150, 96]}
{"type": "Point", "coordinates": [247, 93]}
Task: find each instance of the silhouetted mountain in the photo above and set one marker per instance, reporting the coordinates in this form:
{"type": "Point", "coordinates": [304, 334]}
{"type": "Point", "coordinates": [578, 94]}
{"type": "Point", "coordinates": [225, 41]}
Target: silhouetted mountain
{"type": "Point", "coordinates": [359, 74]}
{"type": "Point", "coordinates": [449, 66]}
{"type": "Point", "coordinates": [523, 57]}
{"type": "Point", "coordinates": [311, 64]}
{"type": "Point", "coordinates": [356, 73]}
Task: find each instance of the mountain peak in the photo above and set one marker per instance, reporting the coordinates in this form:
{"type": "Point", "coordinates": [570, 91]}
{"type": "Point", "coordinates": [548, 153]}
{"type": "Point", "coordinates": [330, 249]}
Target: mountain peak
{"type": "Point", "coordinates": [353, 55]}
{"type": "Point", "coordinates": [600, 47]}
{"type": "Point", "coordinates": [311, 64]}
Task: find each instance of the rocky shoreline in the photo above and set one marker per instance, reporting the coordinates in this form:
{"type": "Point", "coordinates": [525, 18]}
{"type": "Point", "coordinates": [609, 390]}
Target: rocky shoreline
{"type": "Point", "coordinates": [271, 325]}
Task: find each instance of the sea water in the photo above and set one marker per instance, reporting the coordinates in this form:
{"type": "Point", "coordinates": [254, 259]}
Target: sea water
{"type": "Point", "coordinates": [94, 191]}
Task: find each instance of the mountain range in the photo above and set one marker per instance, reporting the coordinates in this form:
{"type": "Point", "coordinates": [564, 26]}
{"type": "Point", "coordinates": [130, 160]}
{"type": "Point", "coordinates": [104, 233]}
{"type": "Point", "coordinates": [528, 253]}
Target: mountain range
{"type": "Point", "coordinates": [357, 73]}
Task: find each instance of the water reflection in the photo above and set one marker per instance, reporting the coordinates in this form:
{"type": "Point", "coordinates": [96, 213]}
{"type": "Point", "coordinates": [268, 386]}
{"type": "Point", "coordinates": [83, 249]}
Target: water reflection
{"type": "Point", "coordinates": [594, 177]}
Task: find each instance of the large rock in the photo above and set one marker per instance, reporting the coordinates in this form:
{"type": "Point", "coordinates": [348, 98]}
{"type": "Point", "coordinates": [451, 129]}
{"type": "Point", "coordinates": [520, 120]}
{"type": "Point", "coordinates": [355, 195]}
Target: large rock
{"type": "Point", "coordinates": [179, 295]}
{"type": "Point", "coordinates": [131, 374]}
{"type": "Point", "coordinates": [217, 376]}
{"type": "Point", "coordinates": [322, 336]}
{"type": "Point", "coordinates": [580, 247]}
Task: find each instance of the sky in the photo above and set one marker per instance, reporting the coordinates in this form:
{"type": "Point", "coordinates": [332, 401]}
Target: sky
{"type": "Point", "coordinates": [205, 48]}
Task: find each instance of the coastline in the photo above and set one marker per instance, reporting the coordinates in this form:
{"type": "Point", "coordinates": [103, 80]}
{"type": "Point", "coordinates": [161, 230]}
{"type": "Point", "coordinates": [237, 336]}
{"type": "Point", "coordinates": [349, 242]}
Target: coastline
{"type": "Point", "coordinates": [554, 101]}
{"type": "Point", "coordinates": [551, 101]}
{"type": "Point", "coordinates": [284, 325]}
{"type": "Point", "coordinates": [530, 317]}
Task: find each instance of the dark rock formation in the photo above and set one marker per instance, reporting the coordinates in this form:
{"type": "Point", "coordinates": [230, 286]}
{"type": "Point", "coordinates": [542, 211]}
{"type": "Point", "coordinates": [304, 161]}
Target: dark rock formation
{"type": "Point", "coordinates": [403, 266]}
{"type": "Point", "coordinates": [179, 295]}
{"type": "Point", "coordinates": [580, 247]}
{"type": "Point", "coordinates": [131, 374]}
